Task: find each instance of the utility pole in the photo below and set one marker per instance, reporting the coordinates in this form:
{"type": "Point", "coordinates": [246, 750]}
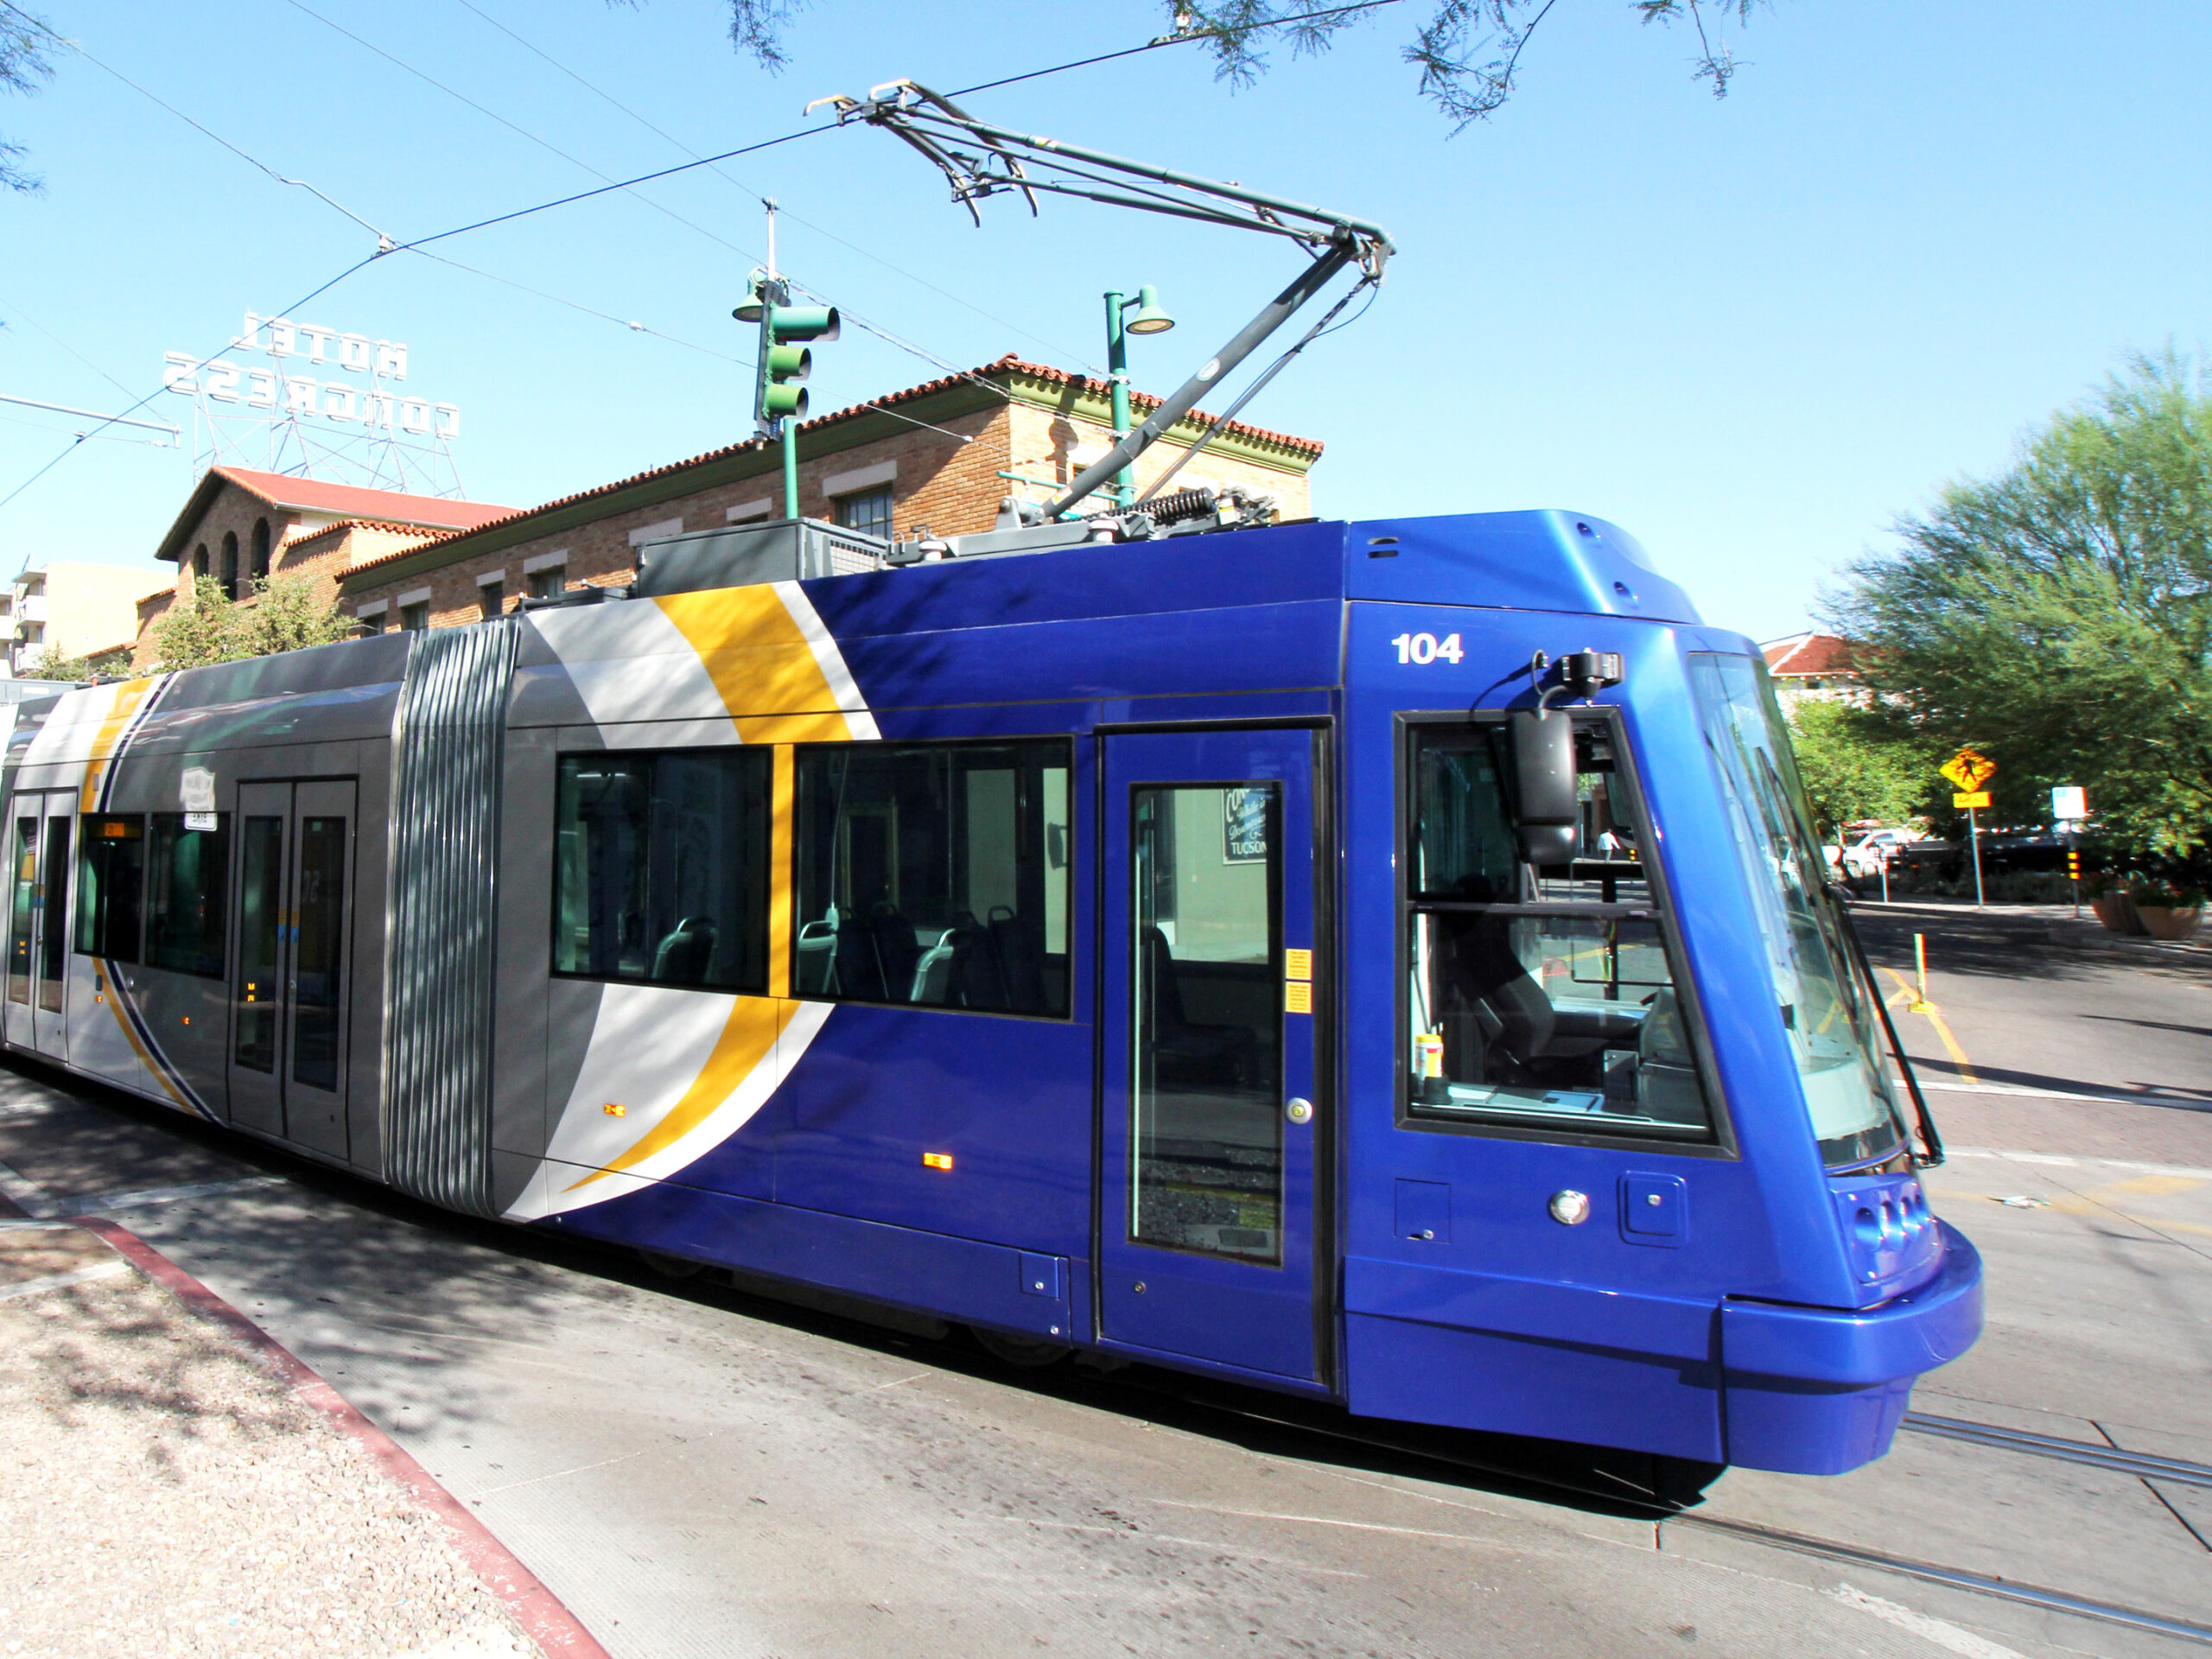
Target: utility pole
{"type": "Point", "coordinates": [1149, 320]}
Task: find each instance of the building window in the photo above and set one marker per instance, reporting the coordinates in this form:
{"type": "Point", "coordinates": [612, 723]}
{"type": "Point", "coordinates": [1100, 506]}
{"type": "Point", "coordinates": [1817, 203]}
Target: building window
{"type": "Point", "coordinates": [199, 561]}
{"type": "Point", "coordinates": [371, 621]}
{"type": "Point", "coordinates": [491, 598]}
{"type": "Point", "coordinates": [661, 868]}
{"type": "Point", "coordinates": [231, 562]}
{"type": "Point", "coordinates": [258, 570]}
{"type": "Point", "coordinates": [869, 513]}
{"type": "Point", "coordinates": [110, 880]}
{"type": "Point", "coordinates": [935, 874]}
{"type": "Point", "coordinates": [548, 584]}
{"type": "Point", "coordinates": [413, 619]}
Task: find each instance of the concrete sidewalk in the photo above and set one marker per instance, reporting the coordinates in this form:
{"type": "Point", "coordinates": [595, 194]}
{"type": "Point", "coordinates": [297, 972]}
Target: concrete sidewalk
{"type": "Point", "coordinates": [169, 1484]}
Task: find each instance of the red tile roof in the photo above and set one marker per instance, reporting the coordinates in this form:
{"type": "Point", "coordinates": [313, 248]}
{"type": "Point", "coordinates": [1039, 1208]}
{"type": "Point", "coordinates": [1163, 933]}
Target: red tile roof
{"type": "Point", "coordinates": [389, 506]}
{"type": "Point", "coordinates": [417, 533]}
{"type": "Point", "coordinates": [1805, 655]}
{"type": "Point", "coordinates": [1010, 364]}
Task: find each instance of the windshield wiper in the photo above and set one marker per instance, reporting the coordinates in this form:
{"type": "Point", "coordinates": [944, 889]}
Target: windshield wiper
{"type": "Point", "coordinates": [1932, 1143]}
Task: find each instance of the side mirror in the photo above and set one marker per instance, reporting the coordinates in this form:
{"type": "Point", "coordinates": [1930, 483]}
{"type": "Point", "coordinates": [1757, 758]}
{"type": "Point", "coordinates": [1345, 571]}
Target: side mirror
{"type": "Point", "coordinates": [1549, 819]}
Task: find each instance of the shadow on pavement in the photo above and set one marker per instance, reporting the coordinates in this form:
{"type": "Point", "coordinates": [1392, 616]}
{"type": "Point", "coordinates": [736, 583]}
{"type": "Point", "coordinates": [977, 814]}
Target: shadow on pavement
{"type": "Point", "coordinates": [407, 1273]}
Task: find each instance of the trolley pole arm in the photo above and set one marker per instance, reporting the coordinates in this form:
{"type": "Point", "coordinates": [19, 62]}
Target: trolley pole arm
{"type": "Point", "coordinates": [1277, 312]}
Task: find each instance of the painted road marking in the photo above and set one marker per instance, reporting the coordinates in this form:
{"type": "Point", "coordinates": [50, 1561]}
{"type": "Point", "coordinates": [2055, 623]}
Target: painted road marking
{"type": "Point", "coordinates": [1939, 1631]}
{"type": "Point", "coordinates": [1935, 1017]}
{"type": "Point", "coordinates": [2187, 1103]}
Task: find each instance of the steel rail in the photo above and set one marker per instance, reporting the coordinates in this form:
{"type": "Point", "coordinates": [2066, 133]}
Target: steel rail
{"type": "Point", "coordinates": [1663, 1514]}
{"type": "Point", "coordinates": [2143, 1464]}
{"type": "Point", "coordinates": [1980, 1584]}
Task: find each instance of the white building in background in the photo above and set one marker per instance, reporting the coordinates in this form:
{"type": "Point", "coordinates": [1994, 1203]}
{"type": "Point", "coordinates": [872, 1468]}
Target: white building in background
{"type": "Point", "coordinates": [85, 609]}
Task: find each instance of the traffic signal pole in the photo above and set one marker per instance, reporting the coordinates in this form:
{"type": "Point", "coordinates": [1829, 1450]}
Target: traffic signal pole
{"type": "Point", "coordinates": [779, 396]}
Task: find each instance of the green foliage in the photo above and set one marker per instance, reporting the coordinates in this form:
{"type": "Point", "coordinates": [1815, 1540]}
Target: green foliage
{"type": "Point", "coordinates": [24, 42]}
{"type": "Point", "coordinates": [194, 635]}
{"type": "Point", "coordinates": [1857, 764]}
{"type": "Point", "coordinates": [2058, 617]}
{"type": "Point", "coordinates": [285, 615]}
{"type": "Point", "coordinates": [50, 662]}
{"type": "Point", "coordinates": [1467, 52]}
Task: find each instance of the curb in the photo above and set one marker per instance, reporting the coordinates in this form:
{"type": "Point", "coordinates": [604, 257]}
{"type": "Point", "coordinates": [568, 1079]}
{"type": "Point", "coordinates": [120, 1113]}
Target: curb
{"type": "Point", "coordinates": [543, 1617]}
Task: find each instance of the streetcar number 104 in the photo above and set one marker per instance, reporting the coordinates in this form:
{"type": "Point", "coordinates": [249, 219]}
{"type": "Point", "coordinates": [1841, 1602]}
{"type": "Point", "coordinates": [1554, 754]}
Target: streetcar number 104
{"type": "Point", "coordinates": [1427, 648]}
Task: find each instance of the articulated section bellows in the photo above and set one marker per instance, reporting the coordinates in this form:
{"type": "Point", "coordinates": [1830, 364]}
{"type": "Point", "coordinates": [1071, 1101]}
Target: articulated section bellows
{"type": "Point", "coordinates": [438, 954]}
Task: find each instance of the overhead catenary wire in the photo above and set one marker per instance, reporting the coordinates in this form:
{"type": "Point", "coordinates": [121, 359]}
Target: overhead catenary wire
{"type": "Point", "coordinates": [307, 298]}
{"type": "Point", "coordinates": [783, 206]}
{"type": "Point", "coordinates": [387, 244]}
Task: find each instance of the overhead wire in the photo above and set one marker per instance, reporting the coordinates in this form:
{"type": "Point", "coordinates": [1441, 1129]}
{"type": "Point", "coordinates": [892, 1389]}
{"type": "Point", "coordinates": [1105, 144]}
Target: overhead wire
{"type": "Point", "coordinates": [386, 244]}
{"type": "Point", "coordinates": [545, 144]}
{"type": "Point", "coordinates": [305, 299]}
{"type": "Point", "coordinates": [24, 316]}
{"type": "Point", "coordinates": [783, 208]}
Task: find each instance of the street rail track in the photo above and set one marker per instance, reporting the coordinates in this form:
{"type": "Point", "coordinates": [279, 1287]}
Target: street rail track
{"type": "Point", "coordinates": [2117, 1458]}
{"type": "Point", "coordinates": [1608, 1486]}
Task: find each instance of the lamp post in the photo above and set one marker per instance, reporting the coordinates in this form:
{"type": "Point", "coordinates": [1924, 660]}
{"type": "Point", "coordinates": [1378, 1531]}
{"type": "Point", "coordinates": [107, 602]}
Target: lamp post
{"type": "Point", "coordinates": [1150, 318]}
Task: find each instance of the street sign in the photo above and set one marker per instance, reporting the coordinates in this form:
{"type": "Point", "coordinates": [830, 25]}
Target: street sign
{"type": "Point", "coordinates": [1969, 771]}
{"type": "Point", "coordinates": [1970, 797]}
{"type": "Point", "coordinates": [2069, 802]}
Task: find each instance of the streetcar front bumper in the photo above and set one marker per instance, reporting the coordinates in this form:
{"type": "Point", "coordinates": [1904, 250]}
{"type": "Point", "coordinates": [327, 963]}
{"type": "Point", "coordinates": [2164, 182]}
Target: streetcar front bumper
{"type": "Point", "coordinates": [1818, 1391]}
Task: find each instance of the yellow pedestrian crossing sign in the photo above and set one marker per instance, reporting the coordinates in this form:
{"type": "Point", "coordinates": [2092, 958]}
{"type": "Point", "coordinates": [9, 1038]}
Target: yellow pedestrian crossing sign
{"type": "Point", "coordinates": [1969, 771]}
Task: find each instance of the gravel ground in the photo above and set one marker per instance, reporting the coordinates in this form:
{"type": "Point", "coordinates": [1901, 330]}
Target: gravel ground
{"type": "Point", "coordinates": [161, 1493]}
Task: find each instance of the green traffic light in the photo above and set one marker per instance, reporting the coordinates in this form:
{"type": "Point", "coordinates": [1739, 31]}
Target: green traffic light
{"type": "Point", "coordinates": [781, 402]}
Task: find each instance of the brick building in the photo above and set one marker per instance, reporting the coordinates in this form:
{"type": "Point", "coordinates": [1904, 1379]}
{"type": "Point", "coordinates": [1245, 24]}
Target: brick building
{"type": "Point", "coordinates": [941, 455]}
{"type": "Point", "coordinates": [240, 523]}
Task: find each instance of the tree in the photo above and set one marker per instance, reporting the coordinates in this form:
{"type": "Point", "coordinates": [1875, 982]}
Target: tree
{"type": "Point", "coordinates": [285, 615]}
{"type": "Point", "coordinates": [2058, 617]}
{"type": "Point", "coordinates": [24, 42]}
{"type": "Point", "coordinates": [1446, 49]}
{"type": "Point", "coordinates": [194, 635]}
{"type": "Point", "coordinates": [1857, 765]}
{"type": "Point", "coordinates": [50, 662]}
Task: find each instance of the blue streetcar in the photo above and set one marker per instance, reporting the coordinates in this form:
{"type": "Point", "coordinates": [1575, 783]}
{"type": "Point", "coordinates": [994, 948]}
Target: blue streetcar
{"type": "Point", "coordinates": [1387, 963]}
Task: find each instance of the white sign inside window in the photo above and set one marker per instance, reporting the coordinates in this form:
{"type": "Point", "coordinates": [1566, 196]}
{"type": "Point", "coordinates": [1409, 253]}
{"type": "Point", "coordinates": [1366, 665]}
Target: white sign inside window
{"type": "Point", "coordinates": [197, 788]}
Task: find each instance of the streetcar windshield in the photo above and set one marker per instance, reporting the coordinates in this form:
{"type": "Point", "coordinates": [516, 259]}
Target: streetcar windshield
{"type": "Point", "coordinates": [1825, 1008]}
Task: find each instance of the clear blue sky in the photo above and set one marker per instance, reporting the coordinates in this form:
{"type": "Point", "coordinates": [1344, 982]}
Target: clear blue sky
{"type": "Point", "coordinates": [1751, 331]}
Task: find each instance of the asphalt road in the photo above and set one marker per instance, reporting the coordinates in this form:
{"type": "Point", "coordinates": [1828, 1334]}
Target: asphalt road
{"type": "Point", "coordinates": [696, 1471]}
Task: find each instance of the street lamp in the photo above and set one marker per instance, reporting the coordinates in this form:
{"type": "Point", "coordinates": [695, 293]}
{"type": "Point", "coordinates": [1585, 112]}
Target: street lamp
{"type": "Point", "coordinates": [1150, 318]}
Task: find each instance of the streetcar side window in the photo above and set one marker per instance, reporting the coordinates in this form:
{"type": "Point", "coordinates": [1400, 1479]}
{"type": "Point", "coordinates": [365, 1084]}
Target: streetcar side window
{"type": "Point", "coordinates": [661, 868]}
{"type": "Point", "coordinates": [934, 874]}
{"type": "Point", "coordinates": [1541, 997]}
{"type": "Point", "coordinates": [111, 886]}
{"type": "Point", "coordinates": [187, 876]}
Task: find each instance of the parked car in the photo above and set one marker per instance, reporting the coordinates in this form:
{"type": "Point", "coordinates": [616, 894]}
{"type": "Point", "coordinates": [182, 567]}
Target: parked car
{"type": "Point", "coordinates": [1865, 854]}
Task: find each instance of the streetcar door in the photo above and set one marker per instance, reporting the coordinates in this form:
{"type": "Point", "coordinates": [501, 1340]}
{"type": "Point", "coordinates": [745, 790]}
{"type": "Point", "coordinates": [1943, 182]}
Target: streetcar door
{"type": "Point", "coordinates": [292, 919]}
{"type": "Point", "coordinates": [1212, 1087]}
{"type": "Point", "coordinates": [38, 921]}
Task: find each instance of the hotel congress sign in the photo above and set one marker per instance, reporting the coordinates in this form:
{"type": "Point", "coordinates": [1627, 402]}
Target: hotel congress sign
{"type": "Point", "coordinates": [292, 383]}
